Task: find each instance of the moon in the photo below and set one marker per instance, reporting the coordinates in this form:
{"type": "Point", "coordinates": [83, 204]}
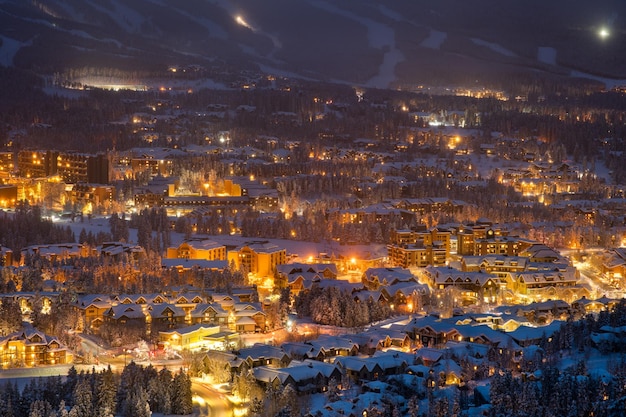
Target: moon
{"type": "Point", "coordinates": [604, 33]}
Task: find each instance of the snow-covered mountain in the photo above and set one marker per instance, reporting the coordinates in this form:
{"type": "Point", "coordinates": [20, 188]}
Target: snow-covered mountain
{"type": "Point", "coordinates": [367, 42]}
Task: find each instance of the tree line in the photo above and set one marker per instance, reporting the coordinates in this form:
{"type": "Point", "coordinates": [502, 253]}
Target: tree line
{"type": "Point", "coordinates": [137, 392]}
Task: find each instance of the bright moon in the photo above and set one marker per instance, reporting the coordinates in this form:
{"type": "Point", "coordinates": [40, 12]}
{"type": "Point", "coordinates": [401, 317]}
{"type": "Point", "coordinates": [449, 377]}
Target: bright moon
{"type": "Point", "coordinates": [242, 22]}
{"type": "Point", "coordinates": [603, 33]}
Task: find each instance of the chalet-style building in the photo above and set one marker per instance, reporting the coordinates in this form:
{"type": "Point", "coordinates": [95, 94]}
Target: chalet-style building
{"type": "Point", "coordinates": [471, 284]}
{"type": "Point", "coordinates": [30, 347]}
{"type": "Point", "coordinates": [92, 309]}
{"type": "Point", "coordinates": [301, 276]}
{"type": "Point", "coordinates": [55, 252]}
{"type": "Point", "coordinates": [188, 338]}
{"type": "Point", "coordinates": [305, 377]}
{"type": "Point", "coordinates": [261, 354]}
{"type": "Point", "coordinates": [198, 249]}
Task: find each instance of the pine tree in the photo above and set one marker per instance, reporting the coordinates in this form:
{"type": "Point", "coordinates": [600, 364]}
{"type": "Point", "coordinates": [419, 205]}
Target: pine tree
{"type": "Point", "coordinates": [70, 383]}
{"type": "Point", "coordinates": [40, 408]}
{"type": "Point", "coordinates": [182, 397]}
{"type": "Point", "coordinates": [136, 404]}
{"type": "Point", "coordinates": [83, 399]}
{"type": "Point", "coordinates": [106, 391]}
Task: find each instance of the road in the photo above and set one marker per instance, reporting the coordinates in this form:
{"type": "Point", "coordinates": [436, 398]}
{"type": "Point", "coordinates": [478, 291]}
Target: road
{"type": "Point", "coordinates": [208, 401]}
{"type": "Point", "coordinates": [592, 276]}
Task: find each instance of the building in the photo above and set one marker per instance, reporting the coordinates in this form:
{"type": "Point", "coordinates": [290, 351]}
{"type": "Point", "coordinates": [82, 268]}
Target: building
{"type": "Point", "coordinates": [259, 258]}
{"type": "Point", "coordinates": [6, 256]}
{"type": "Point", "coordinates": [8, 195]}
{"type": "Point", "coordinates": [37, 163]}
{"type": "Point", "coordinates": [467, 235]}
{"type": "Point", "coordinates": [188, 338]}
{"type": "Point", "coordinates": [30, 347]}
{"type": "Point", "coordinates": [7, 164]}
{"type": "Point", "coordinates": [198, 249]}
{"type": "Point", "coordinates": [55, 252]}
{"type": "Point", "coordinates": [419, 247]}
{"type": "Point", "coordinates": [471, 286]}
{"type": "Point", "coordinates": [94, 194]}
{"type": "Point", "coordinates": [91, 309]}
{"type": "Point", "coordinates": [75, 167]}
{"type": "Point", "coordinates": [497, 245]}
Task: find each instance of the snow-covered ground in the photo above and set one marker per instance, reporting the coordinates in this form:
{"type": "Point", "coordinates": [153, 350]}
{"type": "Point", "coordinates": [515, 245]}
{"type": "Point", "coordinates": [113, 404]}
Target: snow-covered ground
{"type": "Point", "coordinates": [546, 55]}
{"type": "Point", "coordinates": [434, 40]}
{"type": "Point", "coordinates": [8, 49]}
{"type": "Point", "coordinates": [300, 250]}
{"type": "Point", "coordinates": [494, 47]}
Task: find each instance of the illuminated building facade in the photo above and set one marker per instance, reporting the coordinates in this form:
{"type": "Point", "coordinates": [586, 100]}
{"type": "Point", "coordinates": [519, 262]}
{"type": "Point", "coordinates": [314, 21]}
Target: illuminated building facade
{"type": "Point", "coordinates": [258, 258]}
{"type": "Point", "coordinates": [32, 348]}
{"type": "Point", "coordinates": [198, 249]}
{"type": "Point", "coordinates": [419, 247]}
{"type": "Point", "coordinates": [37, 163]}
{"type": "Point", "coordinates": [8, 195]}
{"type": "Point", "coordinates": [79, 167]}
{"type": "Point", "coordinates": [7, 164]}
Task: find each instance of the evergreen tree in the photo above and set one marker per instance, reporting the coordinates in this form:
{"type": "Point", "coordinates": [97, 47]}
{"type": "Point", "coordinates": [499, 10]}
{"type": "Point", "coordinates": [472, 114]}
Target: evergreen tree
{"type": "Point", "coordinates": [181, 394]}
{"type": "Point", "coordinates": [136, 404]}
{"type": "Point", "coordinates": [106, 391]}
{"type": "Point", "coordinates": [83, 399]}
{"type": "Point", "coordinates": [40, 408]}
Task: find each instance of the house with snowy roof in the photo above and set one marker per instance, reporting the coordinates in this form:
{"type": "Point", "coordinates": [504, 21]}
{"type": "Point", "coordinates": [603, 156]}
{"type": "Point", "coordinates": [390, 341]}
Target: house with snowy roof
{"type": "Point", "coordinates": [232, 361]}
{"type": "Point", "coordinates": [373, 367]}
{"type": "Point", "coordinates": [333, 346]}
{"type": "Point", "coordinates": [198, 249]}
{"type": "Point", "coordinates": [91, 308]}
{"type": "Point", "coordinates": [540, 253]}
{"type": "Point", "coordinates": [431, 331]}
{"type": "Point", "coordinates": [182, 265]}
{"type": "Point", "coordinates": [527, 336]}
{"type": "Point", "coordinates": [447, 372]}
{"type": "Point", "coordinates": [308, 377]}
{"type": "Point", "coordinates": [299, 276]}
{"type": "Point", "coordinates": [535, 283]}
{"type": "Point", "coordinates": [115, 251]}
{"type": "Point", "coordinates": [428, 356]}
{"type": "Point", "coordinates": [169, 315]}
{"type": "Point", "coordinates": [31, 347]}
{"type": "Point", "coordinates": [124, 314]}
{"type": "Point", "coordinates": [188, 338]}
{"type": "Point", "coordinates": [261, 354]}
{"type": "Point", "coordinates": [248, 317]}
{"type": "Point", "coordinates": [54, 252]}
{"type": "Point", "coordinates": [140, 299]}
{"type": "Point", "coordinates": [209, 313]}
{"type": "Point", "coordinates": [373, 278]}
{"type": "Point", "coordinates": [614, 263]}
{"type": "Point", "coordinates": [405, 296]}
{"type": "Point", "coordinates": [301, 351]}
{"type": "Point", "coordinates": [473, 284]}
{"type": "Point", "coordinates": [544, 311]}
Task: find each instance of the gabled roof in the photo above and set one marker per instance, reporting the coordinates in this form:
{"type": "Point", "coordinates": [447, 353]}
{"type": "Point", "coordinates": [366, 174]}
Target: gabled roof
{"type": "Point", "coordinates": [389, 275]}
{"type": "Point", "coordinates": [160, 310]}
{"type": "Point", "coordinates": [98, 300]}
{"type": "Point", "coordinates": [130, 311]}
{"type": "Point", "coordinates": [200, 309]}
{"type": "Point", "coordinates": [261, 350]}
{"type": "Point", "coordinates": [191, 329]}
